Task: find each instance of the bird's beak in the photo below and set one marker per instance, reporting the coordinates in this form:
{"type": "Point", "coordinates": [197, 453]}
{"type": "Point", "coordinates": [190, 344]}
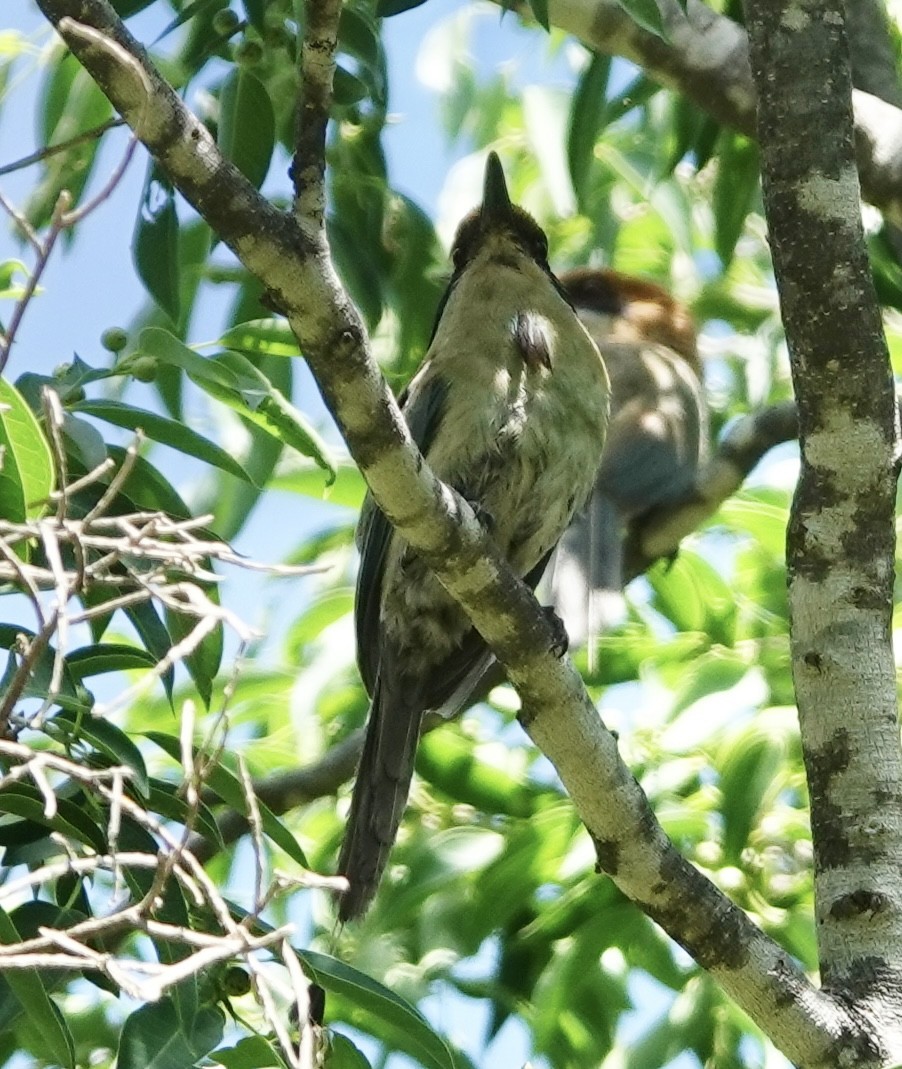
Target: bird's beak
{"type": "Point", "coordinates": [496, 204]}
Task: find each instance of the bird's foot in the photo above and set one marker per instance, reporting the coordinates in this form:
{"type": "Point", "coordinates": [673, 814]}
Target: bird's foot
{"type": "Point", "coordinates": [486, 519]}
{"type": "Point", "coordinates": [561, 641]}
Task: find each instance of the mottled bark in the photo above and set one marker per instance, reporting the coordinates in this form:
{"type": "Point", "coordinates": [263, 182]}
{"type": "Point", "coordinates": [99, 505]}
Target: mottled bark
{"type": "Point", "coordinates": [841, 539]}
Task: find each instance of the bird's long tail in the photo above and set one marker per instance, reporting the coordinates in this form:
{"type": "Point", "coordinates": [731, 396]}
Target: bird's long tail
{"type": "Point", "coordinates": [587, 581]}
{"type": "Point", "coordinates": [379, 798]}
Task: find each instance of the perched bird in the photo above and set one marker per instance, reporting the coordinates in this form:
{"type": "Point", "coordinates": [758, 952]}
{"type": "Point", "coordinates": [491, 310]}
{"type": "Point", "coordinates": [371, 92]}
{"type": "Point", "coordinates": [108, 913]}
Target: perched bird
{"type": "Point", "coordinates": [656, 437]}
{"type": "Point", "coordinates": [509, 409]}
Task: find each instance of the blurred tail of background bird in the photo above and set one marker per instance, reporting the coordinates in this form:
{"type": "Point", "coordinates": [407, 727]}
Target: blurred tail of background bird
{"type": "Point", "coordinates": [656, 438]}
{"type": "Point", "coordinates": [509, 409]}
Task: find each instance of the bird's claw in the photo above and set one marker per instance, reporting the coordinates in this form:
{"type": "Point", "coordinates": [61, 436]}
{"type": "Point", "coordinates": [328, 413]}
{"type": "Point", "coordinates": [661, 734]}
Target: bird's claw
{"type": "Point", "coordinates": [486, 519]}
{"type": "Point", "coordinates": [561, 641]}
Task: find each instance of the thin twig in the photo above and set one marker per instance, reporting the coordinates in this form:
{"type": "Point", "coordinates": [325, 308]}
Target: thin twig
{"type": "Point", "coordinates": [62, 146]}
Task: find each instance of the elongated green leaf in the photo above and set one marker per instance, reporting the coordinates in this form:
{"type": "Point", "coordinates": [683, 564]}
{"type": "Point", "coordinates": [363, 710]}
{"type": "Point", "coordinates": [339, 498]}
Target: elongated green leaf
{"type": "Point", "coordinates": [386, 8]}
{"type": "Point", "coordinates": [38, 683]}
{"type": "Point", "coordinates": [647, 14]}
{"type": "Point", "coordinates": [155, 636]}
{"type": "Point", "coordinates": [230, 790]}
{"type": "Point", "coordinates": [155, 244]}
{"type": "Point", "coordinates": [165, 431]}
{"type": "Point", "coordinates": [734, 191]}
{"type": "Point", "coordinates": [154, 1037]}
{"type": "Point", "coordinates": [587, 114]}
{"type": "Point", "coordinates": [539, 9]}
{"type": "Point", "coordinates": [255, 398]}
{"type": "Point", "coordinates": [247, 124]}
{"type": "Point", "coordinates": [334, 975]}
{"type": "Point", "coordinates": [71, 820]}
{"type": "Point", "coordinates": [162, 799]}
{"type": "Point", "coordinates": [272, 337]}
{"type": "Point", "coordinates": [28, 987]}
{"type": "Point", "coordinates": [204, 660]}
{"type": "Point", "coordinates": [165, 346]}
{"type": "Point", "coordinates": [108, 739]}
{"type": "Point", "coordinates": [107, 657]}
{"type": "Point", "coordinates": [347, 490]}
{"type": "Point", "coordinates": [26, 468]}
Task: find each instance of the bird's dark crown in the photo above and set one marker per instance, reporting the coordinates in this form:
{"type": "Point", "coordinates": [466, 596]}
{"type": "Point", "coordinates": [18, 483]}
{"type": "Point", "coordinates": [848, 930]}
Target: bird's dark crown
{"type": "Point", "coordinates": [519, 226]}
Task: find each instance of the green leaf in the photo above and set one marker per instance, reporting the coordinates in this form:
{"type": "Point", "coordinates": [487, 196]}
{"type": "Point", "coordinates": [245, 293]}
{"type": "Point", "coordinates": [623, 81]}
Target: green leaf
{"type": "Point", "coordinates": [155, 636]}
{"type": "Point", "coordinates": [334, 975]}
{"type": "Point", "coordinates": [255, 11]}
{"type": "Point", "coordinates": [347, 490]}
{"type": "Point", "coordinates": [257, 400]}
{"type": "Point", "coordinates": [386, 8]}
{"type": "Point", "coordinates": [587, 114]}
{"type": "Point", "coordinates": [154, 1037]}
{"type": "Point", "coordinates": [166, 347]}
{"type": "Point", "coordinates": [165, 431]}
{"type": "Point", "coordinates": [735, 188]}
{"type": "Point", "coordinates": [252, 1052]}
{"type": "Point", "coordinates": [38, 684]}
{"type": "Point", "coordinates": [70, 820]}
{"type": "Point", "coordinates": [105, 737]}
{"type": "Point", "coordinates": [247, 124]}
{"type": "Point", "coordinates": [539, 9]}
{"type": "Point", "coordinates": [229, 788]}
{"type": "Point", "coordinates": [162, 799]}
{"type": "Point", "coordinates": [204, 660]}
{"type": "Point", "coordinates": [106, 657]}
{"type": "Point", "coordinates": [28, 987]}
{"type": "Point", "coordinates": [259, 337]}
{"type": "Point", "coordinates": [749, 772]}
{"type": "Point", "coordinates": [347, 88]}
{"type": "Point", "coordinates": [26, 474]}
{"type": "Point", "coordinates": [646, 14]}
{"type": "Point", "coordinates": [343, 1054]}
{"type": "Point", "coordinates": [155, 244]}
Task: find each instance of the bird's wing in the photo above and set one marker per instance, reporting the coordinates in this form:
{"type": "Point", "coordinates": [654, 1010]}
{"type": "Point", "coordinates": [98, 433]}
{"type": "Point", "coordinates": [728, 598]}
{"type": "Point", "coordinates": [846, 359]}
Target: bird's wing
{"type": "Point", "coordinates": [423, 412]}
{"type": "Point", "coordinates": [460, 679]}
{"type": "Point", "coordinates": [652, 449]}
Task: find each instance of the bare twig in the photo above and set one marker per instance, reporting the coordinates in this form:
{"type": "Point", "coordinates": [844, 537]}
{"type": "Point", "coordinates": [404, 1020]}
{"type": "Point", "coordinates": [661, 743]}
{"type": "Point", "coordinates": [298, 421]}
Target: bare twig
{"type": "Point", "coordinates": [63, 146]}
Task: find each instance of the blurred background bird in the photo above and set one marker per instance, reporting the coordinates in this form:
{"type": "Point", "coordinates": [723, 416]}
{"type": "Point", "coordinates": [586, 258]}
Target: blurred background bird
{"type": "Point", "coordinates": [657, 435]}
{"type": "Point", "coordinates": [509, 409]}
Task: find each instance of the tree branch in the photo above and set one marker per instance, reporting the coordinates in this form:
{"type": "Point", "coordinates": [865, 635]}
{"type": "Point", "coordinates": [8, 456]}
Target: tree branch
{"type": "Point", "coordinates": [706, 59]}
{"type": "Point", "coordinates": [744, 444]}
{"type": "Point", "coordinates": [557, 712]}
{"type": "Point", "coordinates": [841, 537]}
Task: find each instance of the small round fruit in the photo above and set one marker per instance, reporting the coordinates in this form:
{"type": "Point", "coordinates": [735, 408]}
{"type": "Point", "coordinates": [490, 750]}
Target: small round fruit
{"type": "Point", "coordinates": [248, 53]}
{"type": "Point", "coordinates": [226, 22]}
{"type": "Point", "coordinates": [115, 339]}
{"type": "Point", "coordinates": [144, 369]}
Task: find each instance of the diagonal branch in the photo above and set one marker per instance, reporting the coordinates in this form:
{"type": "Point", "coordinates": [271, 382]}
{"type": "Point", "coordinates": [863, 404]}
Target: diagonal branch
{"type": "Point", "coordinates": [442, 528]}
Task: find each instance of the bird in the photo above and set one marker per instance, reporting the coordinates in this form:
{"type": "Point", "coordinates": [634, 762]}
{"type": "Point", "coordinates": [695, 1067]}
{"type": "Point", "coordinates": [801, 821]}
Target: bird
{"type": "Point", "coordinates": [656, 438]}
{"type": "Point", "coordinates": [509, 409]}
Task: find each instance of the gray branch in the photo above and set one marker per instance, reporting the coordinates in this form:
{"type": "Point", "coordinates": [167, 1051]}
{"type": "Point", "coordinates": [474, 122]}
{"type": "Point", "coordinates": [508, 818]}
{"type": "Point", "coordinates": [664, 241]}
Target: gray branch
{"type": "Point", "coordinates": [841, 537]}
